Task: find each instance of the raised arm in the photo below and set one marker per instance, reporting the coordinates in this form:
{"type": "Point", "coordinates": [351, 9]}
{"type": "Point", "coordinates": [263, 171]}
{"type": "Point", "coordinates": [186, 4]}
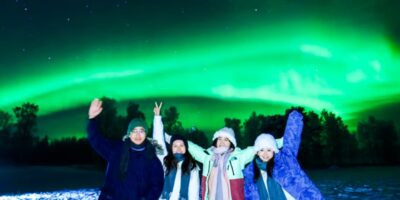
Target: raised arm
{"type": "Point", "coordinates": [246, 155]}
{"type": "Point", "coordinates": [197, 152]}
{"type": "Point", "coordinates": [100, 144]}
{"type": "Point", "coordinates": [292, 135]}
{"type": "Point", "coordinates": [158, 131]}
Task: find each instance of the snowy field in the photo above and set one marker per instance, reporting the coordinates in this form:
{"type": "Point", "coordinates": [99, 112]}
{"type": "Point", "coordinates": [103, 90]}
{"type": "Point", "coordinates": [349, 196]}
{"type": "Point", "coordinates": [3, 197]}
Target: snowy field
{"type": "Point", "coordinates": [25, 183]}
{"type": "Point", "coordinates": [89, 194]}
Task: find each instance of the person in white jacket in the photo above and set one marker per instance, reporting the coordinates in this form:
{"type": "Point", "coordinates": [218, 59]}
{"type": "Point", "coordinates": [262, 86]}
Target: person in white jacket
{"type": "Point", "coordinates": [182, 180]}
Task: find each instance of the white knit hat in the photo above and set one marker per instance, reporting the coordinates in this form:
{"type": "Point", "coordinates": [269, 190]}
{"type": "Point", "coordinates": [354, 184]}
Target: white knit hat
{"type": "Point", "coordinates": [265, 140]}
{"type": "Point", "coordinates": [226, 132]}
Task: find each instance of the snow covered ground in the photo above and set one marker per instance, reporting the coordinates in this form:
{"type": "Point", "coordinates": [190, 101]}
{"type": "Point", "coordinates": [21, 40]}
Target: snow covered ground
{"type": "Point", "coordinates": [70, 183]}
{"type": "Point", "coordinates": [89, 194]}
{"type": "Point", "coordinates": [333, 190]}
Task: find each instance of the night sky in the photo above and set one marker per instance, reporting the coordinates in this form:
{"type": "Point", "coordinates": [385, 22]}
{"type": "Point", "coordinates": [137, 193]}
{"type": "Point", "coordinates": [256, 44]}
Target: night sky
{"type": "Point", "coordinates": [212, 59]}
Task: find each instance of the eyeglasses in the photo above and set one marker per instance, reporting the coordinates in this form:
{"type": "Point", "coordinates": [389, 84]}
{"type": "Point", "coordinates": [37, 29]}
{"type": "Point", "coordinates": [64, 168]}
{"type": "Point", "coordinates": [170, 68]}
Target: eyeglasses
{"type": "Point", "coordinates": [138, 131]}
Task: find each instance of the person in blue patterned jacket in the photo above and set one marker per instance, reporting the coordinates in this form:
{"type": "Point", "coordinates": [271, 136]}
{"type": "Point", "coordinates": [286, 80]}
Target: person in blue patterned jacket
{"type": "Point", "coordinates": [275, 174]}
{"type": "Point", "coordinates": [133, 172]}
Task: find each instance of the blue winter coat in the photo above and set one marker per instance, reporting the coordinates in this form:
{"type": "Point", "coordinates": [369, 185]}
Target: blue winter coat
{"type": "Point", "coordinates": [287, 171]}
{"type": "Point", "coordinates": [144, 178]}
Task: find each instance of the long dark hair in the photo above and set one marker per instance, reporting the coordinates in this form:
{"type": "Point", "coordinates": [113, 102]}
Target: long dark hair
{"type": "Point", "coordinates": [171, 163]}
{"type": "Point", "coordinates": [270, 167]}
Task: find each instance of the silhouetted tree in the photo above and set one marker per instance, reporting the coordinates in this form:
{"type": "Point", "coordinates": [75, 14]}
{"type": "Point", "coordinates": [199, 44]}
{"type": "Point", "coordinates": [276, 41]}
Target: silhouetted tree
{"type": "Point", "coordinates": [41, 152]}
{"type": "Point", "coordinates": [333, 138]}
{"type": "Point", "coordinates": [378, 141]}
{"type": "Point", "coordinates": [133, 111]}
{"type": "Point", "coordinates": [5, 120]}
{"type": "Point", "coordinates": [172, 125]}
{"type": "Point", "coordinates": [23, 138]}
{"type": "Point", "coordinates": [109, 122]}
{"type": "Point", "coordinates": [198, 137]}
{"type": "Point", "coordinates": [310, 152]}
{"type": "Point", "coordinates": [233, 123]}
{"type": "Point", "coordinates": [5, 135]}
{"type": "Point", "coordinates": [68, 151]}
{"type": "Point", "coordinates": [274, 125]}
{"type": "Point", "coordinates": [325, 141]}
{"type": "Point", "coordinates": [252, 127]}
{"type": "Point", "coordinates": [390, 141]}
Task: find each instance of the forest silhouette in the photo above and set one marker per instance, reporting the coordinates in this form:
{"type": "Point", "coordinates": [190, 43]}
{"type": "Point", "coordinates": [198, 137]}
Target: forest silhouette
{"type": "Point", "coordinates": [326, 140]}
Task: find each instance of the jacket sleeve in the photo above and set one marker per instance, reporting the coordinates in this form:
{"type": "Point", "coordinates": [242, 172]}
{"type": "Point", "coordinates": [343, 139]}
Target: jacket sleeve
{"type": "Point", "coordinates": [246, 155]}
{"type": "Point", "coordinates": [157, 181]}
{"type": "Point", "coordinates": [292, 135]}
{"type": "Point", "coordinates": [194, 184]}
{"type": "Point", "coordinates": [279, 142]}
{"type": "Point", "coordinates": [197, 152]}
{"type": "Point", "coordinates": [100, 144]}
{"type": "Point", "coordinates": [158, 135]}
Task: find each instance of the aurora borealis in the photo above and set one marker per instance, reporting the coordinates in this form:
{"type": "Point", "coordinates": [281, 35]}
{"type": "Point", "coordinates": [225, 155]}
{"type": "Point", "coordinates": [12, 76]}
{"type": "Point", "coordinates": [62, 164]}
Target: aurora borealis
{"type": "Point", "coordinates": [210, 59]}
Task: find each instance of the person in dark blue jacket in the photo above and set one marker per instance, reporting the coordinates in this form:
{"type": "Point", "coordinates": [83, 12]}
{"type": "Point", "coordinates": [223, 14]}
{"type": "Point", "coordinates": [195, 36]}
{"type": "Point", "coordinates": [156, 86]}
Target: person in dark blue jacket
{"type": "Point", "coordinates": [133, 172]}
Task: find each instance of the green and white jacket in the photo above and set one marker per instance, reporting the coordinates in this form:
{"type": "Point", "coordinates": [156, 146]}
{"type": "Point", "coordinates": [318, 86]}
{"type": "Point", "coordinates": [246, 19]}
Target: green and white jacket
{"type": "Point", "coordinates": [236, 163]}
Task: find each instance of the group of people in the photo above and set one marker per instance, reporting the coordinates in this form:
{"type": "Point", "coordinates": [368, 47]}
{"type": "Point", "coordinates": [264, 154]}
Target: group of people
{"type": "Point", "coordinates": [263, 171]}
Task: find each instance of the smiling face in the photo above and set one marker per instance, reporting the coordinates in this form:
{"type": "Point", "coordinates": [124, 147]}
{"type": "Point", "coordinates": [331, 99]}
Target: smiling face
{"type": "Point", "coordinates": [266, 154]}
{"type": "Point", "coordinates": [223, 142]}
{"type": "Point", "coordinates": [178, 147]}
{"type": "Point", "coordinates": [138, 135]}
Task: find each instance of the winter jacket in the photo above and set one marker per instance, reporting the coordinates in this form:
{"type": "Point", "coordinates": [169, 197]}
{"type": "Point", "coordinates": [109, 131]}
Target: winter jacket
{"type": "Point", "coordinates": [236, 162]}
{"type": "Point", "coordinates": [144, 178]}
{"type": "Point", "coordinates": [194, 182]}
{"type": "Point", "coordinates": [287, 171]}
{"type": "Point", "coordinates": [251, 191]}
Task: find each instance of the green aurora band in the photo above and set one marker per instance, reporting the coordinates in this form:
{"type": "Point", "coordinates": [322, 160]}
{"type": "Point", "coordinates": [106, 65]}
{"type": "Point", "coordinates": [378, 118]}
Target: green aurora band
{"type": "Point", "coordinates": [300, 63]}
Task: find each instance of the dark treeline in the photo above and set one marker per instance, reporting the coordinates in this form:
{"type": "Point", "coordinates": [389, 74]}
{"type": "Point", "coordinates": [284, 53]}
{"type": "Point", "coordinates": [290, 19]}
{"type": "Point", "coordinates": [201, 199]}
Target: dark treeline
{"type": "Point", "coordinates": [326, 140]}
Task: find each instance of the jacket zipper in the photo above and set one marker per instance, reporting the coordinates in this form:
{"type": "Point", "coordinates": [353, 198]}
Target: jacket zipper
{"type": "Point", "coordinates": [209, 163]}
{"type": "Point", "coordinates": [233, 171]}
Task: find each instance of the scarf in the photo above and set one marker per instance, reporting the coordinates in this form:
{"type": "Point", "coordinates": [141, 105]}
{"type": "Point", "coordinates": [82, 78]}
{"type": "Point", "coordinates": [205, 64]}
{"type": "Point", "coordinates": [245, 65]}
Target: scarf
{"type": "Point", "coordinates": [274, 190]}
{"type": "Point", "coordinates": [169, 181]}
{"type": "Point", "coordinates": [218, 181]}
{"type": "Point", "coordinates": [179, 157]}
{"type": "Point", "coordinates": [261, 164]}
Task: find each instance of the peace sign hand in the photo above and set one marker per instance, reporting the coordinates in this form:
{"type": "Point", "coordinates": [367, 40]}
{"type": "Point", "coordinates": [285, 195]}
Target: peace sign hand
{"type": "Point", "coordinates": [157, 108]}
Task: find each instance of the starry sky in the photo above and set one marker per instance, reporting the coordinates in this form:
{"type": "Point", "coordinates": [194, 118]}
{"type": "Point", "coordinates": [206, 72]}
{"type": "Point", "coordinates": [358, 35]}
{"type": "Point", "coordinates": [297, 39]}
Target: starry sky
{"type": "Point", "coordinates": [211, 59]}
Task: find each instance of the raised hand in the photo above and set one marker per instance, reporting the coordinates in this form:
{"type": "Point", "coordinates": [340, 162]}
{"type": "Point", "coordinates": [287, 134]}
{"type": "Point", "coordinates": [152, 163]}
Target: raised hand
{"type": "Point", "coordinates": [292, 135]}
{"type": "Point", "coordinates": [157, 108]}
{"type": "Point", "coordinates": [95, 108]}
{"type": "Point", "coordinates": [295, 115]}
